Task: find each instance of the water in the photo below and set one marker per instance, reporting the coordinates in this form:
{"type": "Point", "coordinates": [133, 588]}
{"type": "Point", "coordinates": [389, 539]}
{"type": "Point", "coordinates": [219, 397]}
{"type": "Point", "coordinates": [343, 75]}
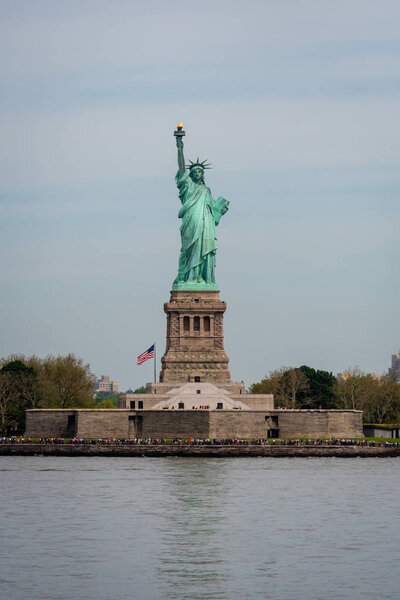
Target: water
{"type": "Point", "coordinates": [176, 528]}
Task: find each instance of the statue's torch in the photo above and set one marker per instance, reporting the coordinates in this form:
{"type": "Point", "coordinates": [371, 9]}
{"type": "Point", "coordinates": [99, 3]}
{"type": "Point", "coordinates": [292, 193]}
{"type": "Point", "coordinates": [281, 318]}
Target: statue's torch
{"type": "Point", "coordinates": [179, 132]}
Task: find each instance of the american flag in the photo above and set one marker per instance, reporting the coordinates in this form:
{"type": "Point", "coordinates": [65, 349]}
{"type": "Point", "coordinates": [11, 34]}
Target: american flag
{"type": "Point", "coordinates": [149, 353]}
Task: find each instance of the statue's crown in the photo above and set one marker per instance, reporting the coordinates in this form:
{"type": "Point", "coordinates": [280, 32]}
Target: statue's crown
{"type": "Point", "coordinates": [199, 163]}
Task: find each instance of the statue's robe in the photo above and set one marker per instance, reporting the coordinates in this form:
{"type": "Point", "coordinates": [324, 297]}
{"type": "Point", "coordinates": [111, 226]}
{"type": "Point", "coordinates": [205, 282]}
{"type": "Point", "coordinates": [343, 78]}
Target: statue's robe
{"type": "Point", "coordinates": [200, 214]}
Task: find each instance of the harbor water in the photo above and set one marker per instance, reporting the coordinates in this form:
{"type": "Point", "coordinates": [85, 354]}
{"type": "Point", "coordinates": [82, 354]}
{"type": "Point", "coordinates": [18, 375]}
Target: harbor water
{"type": "Point", "coordinates": [203, 528]}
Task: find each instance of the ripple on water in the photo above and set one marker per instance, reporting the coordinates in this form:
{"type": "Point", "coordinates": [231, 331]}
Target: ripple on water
{"type": "Point", "coordinates": [197, 527]}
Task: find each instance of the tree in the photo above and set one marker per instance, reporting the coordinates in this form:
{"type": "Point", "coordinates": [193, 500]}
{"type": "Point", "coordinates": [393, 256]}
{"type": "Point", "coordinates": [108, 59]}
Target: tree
{"type": "Point", "coordinates": [285, 383]}
{"type": "Point", "coordinates": [378, 398]}
{"type": "Point", "coordinates": [27, 376]}
{"type": "Point", "coordinates": [289, 386]}
{"type": "Point", "coordinates": [102, 397]}
{"type": "Point", "coordinates": [67, 382]}
{"type": "Point", "coordinates": [301, 387]}
{"type": "Point", "coordinates": [265, 386]}
{"type": "Point", "coordinates": [19, 385]}
{"type": "Point", "coordinates": [6, 400]}
{"type": "Point", "coordinates": [383, 405]}
{"type": "Point", "coordinates": [322, 391]}
{"type": "Point", "coordinates": [31, 382]}
{"type": "Point", "coordinates": [140, 390]}
{"type": "Point", "coordinates": [356, 390]}
{"type": "Point", "coordinates": [106, 403]}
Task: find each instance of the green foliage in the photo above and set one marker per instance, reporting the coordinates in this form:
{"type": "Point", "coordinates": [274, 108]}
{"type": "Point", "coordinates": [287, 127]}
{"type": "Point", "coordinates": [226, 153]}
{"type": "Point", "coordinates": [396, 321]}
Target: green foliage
{"type": "Point", "coordinates": [140, 390]}
{"type": "Point", "coordinates": [302, 387]}
{"type": "Point", "coordinates": [265, 386]}
{"type": "Point", "coordinates": [322, 391]}
{"type": "Point", "coordinates": [306, 387]}
{"type": "Point", "coordinates": [101, 397]}
{"type": "Point", "coordinates": [68, 382]}
{"type": "Point", "coordinates": [18, 390]}
{"type": "Point", "coordinates": [17, 367]}
{"type": "Point", "coordinates": [106, 403]}
{"type": "Point", "coordinates": [286, 383]}
{"type": "Point", "coordinates": [378, 398]}
{"type": "Point", "coordinates": [380, 440]}
{"type": "Point", "coordinates": [31, 382]}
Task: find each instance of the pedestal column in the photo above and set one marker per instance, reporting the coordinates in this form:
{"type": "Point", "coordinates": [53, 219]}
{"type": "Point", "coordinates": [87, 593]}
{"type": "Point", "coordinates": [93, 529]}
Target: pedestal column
{"type": "Point", "coordinates": [194, 352]}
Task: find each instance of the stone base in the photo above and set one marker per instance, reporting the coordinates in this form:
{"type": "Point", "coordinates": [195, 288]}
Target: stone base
{"type": "Point", "coordinates": [234, 387]}
{"type": "Point", "coordinates": [195, 340]}
{"type": "Point", "coordinates": [184, 366]}
{"type": "Point", "coordinates": [219, 424]}
{"type": "Point", "coordinates": [194, 394]}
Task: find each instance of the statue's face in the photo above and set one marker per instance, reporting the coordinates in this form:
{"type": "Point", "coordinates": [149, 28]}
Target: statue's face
{"type": "Point", "coordinates": [196, 174]}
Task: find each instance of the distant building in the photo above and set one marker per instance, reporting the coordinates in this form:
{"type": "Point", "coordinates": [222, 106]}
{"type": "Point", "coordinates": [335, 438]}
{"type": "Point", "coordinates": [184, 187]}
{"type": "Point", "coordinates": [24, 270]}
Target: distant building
{"type": "Point", "coordinates": [376, 376]}
{"type": "Point", "coordinates": [105, 385]}
{"type": "Point", "coordinates": [381, 431]}
{"type": "Point", "coordinates": [346, 375]}
{"type": "Point", "coordinates": [395, 368]}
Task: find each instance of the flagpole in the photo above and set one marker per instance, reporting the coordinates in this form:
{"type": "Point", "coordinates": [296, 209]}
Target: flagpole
{"type": "Point", "coordinates": [155, 358]}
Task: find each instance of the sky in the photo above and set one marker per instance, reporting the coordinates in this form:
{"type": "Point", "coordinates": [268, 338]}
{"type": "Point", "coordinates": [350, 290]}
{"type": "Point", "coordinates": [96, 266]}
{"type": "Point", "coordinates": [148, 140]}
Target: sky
{"type": "Point", "coordinates": [297, 106]}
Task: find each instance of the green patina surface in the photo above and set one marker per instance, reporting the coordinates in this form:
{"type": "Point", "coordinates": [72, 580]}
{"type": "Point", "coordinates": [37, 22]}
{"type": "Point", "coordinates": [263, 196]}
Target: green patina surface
{"type": "Point", "coordinates": [195, 286]}
{"type": "Point", "coordinates": [200, 215]}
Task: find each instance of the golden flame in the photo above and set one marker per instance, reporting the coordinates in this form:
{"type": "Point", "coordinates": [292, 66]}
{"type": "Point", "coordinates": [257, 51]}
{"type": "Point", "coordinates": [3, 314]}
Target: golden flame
{"type": "Point", "coordinates": [179, 126]}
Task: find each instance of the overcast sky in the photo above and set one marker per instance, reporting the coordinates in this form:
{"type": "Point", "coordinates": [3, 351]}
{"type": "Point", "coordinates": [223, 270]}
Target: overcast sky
{"type": "Point", "coordinates": [295, 103]}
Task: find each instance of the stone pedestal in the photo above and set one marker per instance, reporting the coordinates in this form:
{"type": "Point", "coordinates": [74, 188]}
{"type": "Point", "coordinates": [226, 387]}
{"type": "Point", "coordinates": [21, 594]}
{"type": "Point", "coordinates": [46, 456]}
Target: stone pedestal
{"type": "Point", "coordinates": [195, 338]}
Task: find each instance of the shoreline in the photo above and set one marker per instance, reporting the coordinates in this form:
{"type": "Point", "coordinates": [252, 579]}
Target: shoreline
{"type": "Point", "coordinates": [159, 450]}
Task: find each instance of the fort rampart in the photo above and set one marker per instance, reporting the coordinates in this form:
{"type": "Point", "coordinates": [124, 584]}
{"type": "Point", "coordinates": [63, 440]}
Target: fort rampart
{"type": "Point", "coordinates": [164, 424]}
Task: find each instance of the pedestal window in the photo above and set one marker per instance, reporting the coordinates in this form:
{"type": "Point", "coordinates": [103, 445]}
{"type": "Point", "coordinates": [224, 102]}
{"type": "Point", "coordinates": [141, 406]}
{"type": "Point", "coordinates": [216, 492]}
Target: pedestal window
{"type": "Point", "coordinates": [186, 324]}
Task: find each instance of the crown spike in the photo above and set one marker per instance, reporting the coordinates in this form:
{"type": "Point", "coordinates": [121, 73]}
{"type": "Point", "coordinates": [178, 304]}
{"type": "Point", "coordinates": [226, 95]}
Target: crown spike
{"type": "Point", "coordinates": [199, 163]}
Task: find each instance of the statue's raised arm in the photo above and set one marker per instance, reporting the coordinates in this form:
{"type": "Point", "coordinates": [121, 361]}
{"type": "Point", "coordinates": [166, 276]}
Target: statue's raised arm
{"type": "Point", "coordinates": [200, 215]}
{"type": "Point", "coordinates": [179, 144]}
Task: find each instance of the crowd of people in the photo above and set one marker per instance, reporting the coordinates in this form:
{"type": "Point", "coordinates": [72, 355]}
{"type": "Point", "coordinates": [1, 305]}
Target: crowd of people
{"type": "Point", "coordinates": [200, 442]}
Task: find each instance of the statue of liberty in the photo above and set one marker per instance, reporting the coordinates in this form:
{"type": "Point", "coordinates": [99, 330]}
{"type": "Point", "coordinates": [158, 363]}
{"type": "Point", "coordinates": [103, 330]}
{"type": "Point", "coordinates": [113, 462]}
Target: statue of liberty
{"type": "Point", "coordinates": [200, 215]}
